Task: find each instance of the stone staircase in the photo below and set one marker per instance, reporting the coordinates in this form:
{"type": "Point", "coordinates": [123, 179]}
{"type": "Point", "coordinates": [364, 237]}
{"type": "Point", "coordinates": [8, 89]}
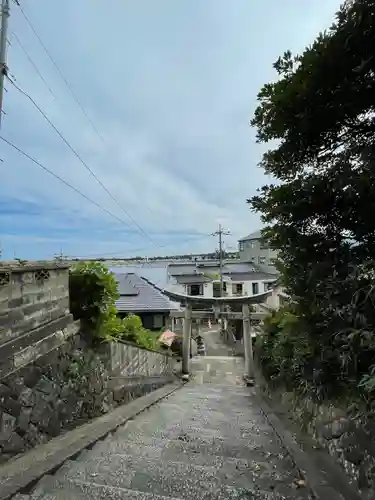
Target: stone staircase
{"type": "Point", "coordinates": [208, 440]}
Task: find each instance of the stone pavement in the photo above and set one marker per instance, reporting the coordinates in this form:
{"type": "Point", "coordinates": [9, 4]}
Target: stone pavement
{"type": "Point", "coordinates": [214, 343]}
{"type": "Point", "coordinates": [206, 441]}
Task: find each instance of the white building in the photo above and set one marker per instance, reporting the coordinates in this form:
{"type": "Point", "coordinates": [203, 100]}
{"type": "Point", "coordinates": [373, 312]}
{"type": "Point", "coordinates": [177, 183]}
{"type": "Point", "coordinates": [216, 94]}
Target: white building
{"type": "Point", "coordinates": [203, 278]}
{"type": "Point", "coordinates": [253, 249]}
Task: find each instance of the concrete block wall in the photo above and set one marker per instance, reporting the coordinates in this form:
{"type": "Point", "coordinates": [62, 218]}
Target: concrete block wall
{"type": "Point", "coordinates": [124, 358]}
{"type": "Point", "coordinates": [30, 296]}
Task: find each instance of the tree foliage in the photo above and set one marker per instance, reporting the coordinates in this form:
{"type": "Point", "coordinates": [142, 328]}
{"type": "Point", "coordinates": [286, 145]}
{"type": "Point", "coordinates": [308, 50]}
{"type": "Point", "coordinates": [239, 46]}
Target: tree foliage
{"type": "Point", "coordinates": [321, 212]}
{"type": "Point", "coordinates": [93, 294]}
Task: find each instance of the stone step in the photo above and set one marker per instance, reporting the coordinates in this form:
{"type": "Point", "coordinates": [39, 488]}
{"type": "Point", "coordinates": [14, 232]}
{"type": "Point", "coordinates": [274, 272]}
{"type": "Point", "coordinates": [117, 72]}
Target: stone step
{"type": "Point", "coordinates": [196, 435]}
{"type": "Point", "coordinates": [122, 447]}
{"type": "Point", "coordinates": [168, 448]}
{"type": "Point", "coordinates": [41, 486]}
{"type": "Point", "coordinates": [120, 470]}
{"type": "Point", "coordinates": [68, 490]}
{"type": "Point", "coordinates": [176, 480]}
{"type": "Point", "coordinates": [201, 412]}
{"type": "Point", "coordinates": [223, 447]}
{"type": "Point", "coordinates": [190, 431]}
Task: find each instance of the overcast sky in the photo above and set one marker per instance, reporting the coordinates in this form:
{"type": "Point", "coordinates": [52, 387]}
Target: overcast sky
{"type": "Point", "coordinates": [170, 87]}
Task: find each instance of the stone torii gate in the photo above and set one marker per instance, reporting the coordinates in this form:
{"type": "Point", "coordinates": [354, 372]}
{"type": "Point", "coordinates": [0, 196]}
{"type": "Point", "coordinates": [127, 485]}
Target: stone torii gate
{"type": "Point", "coordinates": [245, 301]}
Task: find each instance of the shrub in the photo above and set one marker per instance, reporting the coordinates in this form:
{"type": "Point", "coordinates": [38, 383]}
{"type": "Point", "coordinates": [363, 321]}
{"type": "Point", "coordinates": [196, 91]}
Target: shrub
{"type": "Point", "coordinates": [285, 351]}
{"type": "Point", "coordinates": [133, 331]}
{"type": "Point", "coordinates": [93, 294]}
{"type": "Point", "coordinates": [333, 366]}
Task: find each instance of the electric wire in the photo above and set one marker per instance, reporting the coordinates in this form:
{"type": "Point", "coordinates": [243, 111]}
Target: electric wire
{"type": "Point", "coordinates": [82, 161]}
{"type": "Point", "coordinates": [36, 69]}
{"type": "Point", "coordinates": [51, 58]}
{"type": "Point", "coordinates": [109, 254]}
{"type": "Point", "coordinates": [26, 155]}
{"type": "Point", "coordinates": [43, 45]}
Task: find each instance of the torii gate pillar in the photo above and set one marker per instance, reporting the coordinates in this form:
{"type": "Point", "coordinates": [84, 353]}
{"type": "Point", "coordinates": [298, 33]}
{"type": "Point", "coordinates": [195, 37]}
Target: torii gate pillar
{"type": "Point", "coordinates": [248, 343]}
{"type": "Point", "coordinates": [186, 340]}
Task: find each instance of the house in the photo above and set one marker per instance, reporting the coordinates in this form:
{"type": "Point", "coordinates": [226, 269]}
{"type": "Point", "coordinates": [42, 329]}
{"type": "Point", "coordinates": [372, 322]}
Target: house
{"type": "Point", "coordinates": [202, 278]}
{"type": "Point", "coordinates": [139, 296]}
{"type": "Point", "coordinates": [252, 249]}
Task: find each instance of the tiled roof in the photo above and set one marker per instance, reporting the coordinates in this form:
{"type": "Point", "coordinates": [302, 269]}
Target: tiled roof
{"type": "Point", "coordinates": [157, 275]}
{"type": "Point", "coordinates": [229, 267]}
{"type": "Point", "coordinates": [239, 267]}
{"type": "Point", "coordinates": [125, 287]}
{"type": "Point", "coordinates": [180, 269]}
{"type": "Point", "coordinates": [147, 298]}
{"type": "Point", "coordinates": [252, 236]}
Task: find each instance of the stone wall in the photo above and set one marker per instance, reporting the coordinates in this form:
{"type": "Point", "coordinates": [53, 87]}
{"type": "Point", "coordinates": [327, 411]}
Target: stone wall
{"type": "Point", "coordinates": [34, 312]}
{"type": "Point", "coordinates": [71, 384]}
{"type": "Point", "coordinates": [348, 437]}
{"type": "Point", "coordinates": [51, 378]}
{"type": "Point", "coordinates": [31, 296]}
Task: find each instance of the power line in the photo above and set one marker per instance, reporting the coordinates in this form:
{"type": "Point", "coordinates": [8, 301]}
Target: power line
{"type": "Point", "coordinates": [87, 117]}
{"type": "Point", "coordinates": [51, 58]}
{"type": "Point", "coordinates": [82, 161]}
{"type": "Point", "coordinates": [33, 64]}
{"type": "Point", "coordinates": [120, 252]}
{"type": "Point", "coordinates": [62, 180]}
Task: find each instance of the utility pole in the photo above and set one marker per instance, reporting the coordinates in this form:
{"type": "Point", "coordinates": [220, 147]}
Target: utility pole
{"type": "Point", "coordinates": [3, 51]}
{"type": "Point", "coordinates": [220, 232]}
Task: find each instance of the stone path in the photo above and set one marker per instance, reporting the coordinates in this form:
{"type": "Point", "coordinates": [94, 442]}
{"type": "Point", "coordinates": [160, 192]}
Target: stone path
{"type": "Point", "coordinates": [206, 441]}
{"type": "Point", "coordinates": [214, 343]}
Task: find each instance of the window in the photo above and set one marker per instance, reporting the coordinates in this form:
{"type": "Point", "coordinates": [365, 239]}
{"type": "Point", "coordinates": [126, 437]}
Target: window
{"type": "Point", "coordinates": [263, 245]}
{"type": "Point", "coordinates": [147, 321]}
{"type": "Point", "coordinates": [158, 321]}
{"type": "Point", "coordinates": [241, 246]}
{"type": "Point", "coordinates": [239, 289]}
{"type": "Point", "coordinates": [255, 288]}
{"type": "Point", "coordinates": [224, 287]}
{"type": "Point", "coordinates": [261, 260]}
{"type": "Point", "coordinates": [196, 290]}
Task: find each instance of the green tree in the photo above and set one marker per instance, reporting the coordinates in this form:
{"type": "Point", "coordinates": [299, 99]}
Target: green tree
{"type": "Point", "coordinates": [319, 214]}
{"type": "Point", "coordinates": [93, 293]}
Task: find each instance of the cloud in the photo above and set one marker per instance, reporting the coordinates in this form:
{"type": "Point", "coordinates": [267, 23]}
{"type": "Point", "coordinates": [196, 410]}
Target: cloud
{"type": "Point", "coordinates": [170, 87]}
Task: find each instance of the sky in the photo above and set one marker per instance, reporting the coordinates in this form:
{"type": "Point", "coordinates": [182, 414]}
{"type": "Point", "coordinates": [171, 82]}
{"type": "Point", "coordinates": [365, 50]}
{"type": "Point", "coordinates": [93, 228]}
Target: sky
{"type": "Point", "coordinates": [157, 106]}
